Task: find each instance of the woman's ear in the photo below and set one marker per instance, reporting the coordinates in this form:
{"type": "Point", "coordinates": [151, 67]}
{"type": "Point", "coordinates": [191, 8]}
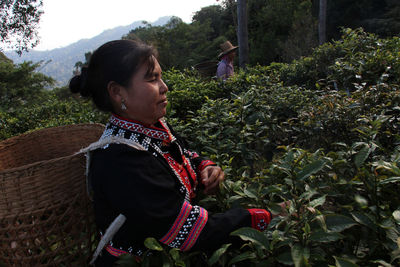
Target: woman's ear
{"type": "Point", "coordinates": [115, 91]}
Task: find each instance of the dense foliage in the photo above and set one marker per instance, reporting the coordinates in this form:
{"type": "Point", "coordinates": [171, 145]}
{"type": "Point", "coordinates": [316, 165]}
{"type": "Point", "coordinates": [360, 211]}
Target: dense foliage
{"type": "Point", "coordinates": [373, 15]}
{"type": "Point", "coordinates": [285, 132]}
{"type": "Point", "coordinates": [25, 103]}
{"type": "Point", "coordinates": [321, 132]}
{"type": "Point", "coordinates": [278, 30]}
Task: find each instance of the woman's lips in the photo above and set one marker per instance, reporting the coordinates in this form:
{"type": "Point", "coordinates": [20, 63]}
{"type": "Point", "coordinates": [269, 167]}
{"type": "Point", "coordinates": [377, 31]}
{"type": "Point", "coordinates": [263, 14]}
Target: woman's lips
{"type": "Point", "coordinates": [164, 101]}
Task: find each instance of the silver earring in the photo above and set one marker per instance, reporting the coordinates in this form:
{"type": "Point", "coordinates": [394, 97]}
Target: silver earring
{"type": "Point", "coordinates": [123, 107]}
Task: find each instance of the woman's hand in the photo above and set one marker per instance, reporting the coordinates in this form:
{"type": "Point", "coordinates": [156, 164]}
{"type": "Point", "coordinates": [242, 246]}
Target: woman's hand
{"type": "Point", "coordinates": [211, 177]}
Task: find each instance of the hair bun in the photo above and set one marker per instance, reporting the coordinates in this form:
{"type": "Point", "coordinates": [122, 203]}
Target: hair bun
{"type": "Point", "coordinates": [78, 83]}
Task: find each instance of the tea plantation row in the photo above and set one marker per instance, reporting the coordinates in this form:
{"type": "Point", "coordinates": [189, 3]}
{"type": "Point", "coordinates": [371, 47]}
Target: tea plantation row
{"type": "Point", "coordinates": [322, 133]}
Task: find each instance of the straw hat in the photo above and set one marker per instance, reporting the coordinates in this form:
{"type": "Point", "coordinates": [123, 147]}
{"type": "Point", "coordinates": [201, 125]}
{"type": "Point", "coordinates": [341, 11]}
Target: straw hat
{"type": "Point", "coordinates": [226, 48]}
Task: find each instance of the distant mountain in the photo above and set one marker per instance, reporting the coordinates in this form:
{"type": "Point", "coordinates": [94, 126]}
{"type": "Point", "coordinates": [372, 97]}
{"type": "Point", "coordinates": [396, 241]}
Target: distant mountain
{"type": "Point", "coordinates": [61, 61]}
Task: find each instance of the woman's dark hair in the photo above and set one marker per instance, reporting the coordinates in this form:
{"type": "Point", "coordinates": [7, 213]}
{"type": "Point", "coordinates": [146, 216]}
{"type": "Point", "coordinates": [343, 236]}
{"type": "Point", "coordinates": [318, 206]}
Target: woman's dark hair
{"type": "Point", "coordinates": [114, 61]}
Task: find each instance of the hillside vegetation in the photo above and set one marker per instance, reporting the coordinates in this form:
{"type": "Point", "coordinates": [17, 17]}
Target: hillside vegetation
{"type": "Point", "coordinates": [59, 63]}
{"type": "Point", "coordinates": [321, 132]}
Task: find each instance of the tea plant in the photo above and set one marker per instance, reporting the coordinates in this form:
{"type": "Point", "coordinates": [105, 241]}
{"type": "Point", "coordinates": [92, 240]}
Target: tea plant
{"type": "Point", "coordinates": [332, 155]}
{"type": "Point", "coordinates": [321, 134]}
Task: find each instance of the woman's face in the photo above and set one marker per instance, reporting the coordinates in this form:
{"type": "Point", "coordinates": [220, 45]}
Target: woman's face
{"type": "Point", "coordinates": [145, 98]}
{"type": "Point", "coordinates": [231, 55]}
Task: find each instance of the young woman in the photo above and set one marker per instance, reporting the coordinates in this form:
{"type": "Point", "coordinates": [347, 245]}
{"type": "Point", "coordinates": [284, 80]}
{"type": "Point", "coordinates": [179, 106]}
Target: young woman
{"type": "Point", "coordinates": [142, 175]}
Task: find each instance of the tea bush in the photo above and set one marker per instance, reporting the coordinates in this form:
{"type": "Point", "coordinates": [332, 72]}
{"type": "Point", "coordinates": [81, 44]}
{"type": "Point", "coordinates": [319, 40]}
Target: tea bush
{"type": "Point", "coordinates": [321, 133]}
{"type": "Point", "coordinates": [358, 56]}
{"type": "Point", "coordinates": [51, 111]}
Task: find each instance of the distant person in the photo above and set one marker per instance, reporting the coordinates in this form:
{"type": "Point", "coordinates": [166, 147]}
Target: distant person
{"type": "Point", "coordinates": [226, 57]}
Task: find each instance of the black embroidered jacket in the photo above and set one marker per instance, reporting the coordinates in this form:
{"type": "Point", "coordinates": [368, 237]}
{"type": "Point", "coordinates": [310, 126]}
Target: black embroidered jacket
{"type": "Point", "coordinates": [153, 187]}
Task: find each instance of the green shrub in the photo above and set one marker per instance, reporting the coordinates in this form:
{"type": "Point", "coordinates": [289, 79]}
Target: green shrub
{"type": "Point", "coordinates": [357, 56]}
{"type": "Point", "coordinates": [322, 132]}
{"type": "Point", "coordinates": [48, 113]}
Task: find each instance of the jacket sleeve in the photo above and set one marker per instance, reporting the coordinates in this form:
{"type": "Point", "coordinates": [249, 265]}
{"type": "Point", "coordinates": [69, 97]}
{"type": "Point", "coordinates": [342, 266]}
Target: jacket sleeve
{"type": "Point", "coordinates": [141, 187]}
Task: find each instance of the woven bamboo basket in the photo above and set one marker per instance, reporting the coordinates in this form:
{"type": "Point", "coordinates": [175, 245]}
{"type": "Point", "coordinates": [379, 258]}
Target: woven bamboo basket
{"type": "Point", "coordinates": [207, 68]}
{"type": "Point", "coordinates": [46, 218]}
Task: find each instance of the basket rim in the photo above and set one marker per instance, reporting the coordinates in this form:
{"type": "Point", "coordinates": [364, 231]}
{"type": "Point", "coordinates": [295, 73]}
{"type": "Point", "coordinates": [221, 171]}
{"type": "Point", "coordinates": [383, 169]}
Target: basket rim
{"type": "Point", "coordinates": [206, 63]}
{"type": "Point", "coordinates": [12, 140]}
{"type": "Point", "coordinates": [5, 142]}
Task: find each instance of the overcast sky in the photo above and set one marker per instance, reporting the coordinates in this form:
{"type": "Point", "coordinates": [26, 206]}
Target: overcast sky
{"type": "Point", "coordinates": [67, 21]}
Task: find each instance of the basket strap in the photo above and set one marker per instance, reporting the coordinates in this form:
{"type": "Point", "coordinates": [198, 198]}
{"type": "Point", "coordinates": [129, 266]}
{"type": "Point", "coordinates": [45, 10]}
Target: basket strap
{"type": "Point", "coordinates": [102, 142]}
{"type": "Point", "coordinates": [120, 219]}
{"type": "Point", "coordinates": [111, 140]}
{"type": "Point", "coordinates": [108, 235]}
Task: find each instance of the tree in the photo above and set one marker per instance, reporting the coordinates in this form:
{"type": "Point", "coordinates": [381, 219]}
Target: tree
{"type": "Point", "coordinates": [302, 36]}
{"type": "Point", "coordinates": [322, 21]}
{"type": "Point", "coordinates": [375, 16]}
{"type": "Point", "coordinates": [177, 38]}
{"type": "Point", "coordinates": [19, 21]}
{"type": "Point", "coordinates": [242, 32]}
{"type": "Point", "coordinates": [383, 19]}
{"type": "Point", "coordinates": [214, 14]}
{"type": "Point", "coordinates": [21, 84]}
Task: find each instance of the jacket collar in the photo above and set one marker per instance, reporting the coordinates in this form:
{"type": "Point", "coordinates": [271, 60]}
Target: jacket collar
{"type": "Point", "coordinates": [160, 131]}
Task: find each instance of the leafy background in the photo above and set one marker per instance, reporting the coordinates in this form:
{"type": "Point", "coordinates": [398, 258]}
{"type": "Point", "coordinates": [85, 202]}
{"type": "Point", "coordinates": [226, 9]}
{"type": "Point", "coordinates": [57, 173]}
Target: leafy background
{"type": "Point", "coordinates": [321, 132]}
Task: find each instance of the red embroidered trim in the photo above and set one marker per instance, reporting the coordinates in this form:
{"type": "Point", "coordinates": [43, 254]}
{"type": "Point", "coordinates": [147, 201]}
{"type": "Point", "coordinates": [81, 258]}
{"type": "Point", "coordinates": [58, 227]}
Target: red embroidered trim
{"type": "Point", "coordinates": [182, 172]}
{"type": "Point", "coordinates": [152, 132]}
{"type": "Point", "coordinates": [119, 252]}
{"type": "Point", "coordinates": [176, 227]}
{"type": "Point", "coordinates": [191, 154]}
{"type": "Point", "coordinates": [115, 252]}
{"type": "Point", "coordinates": [196, 230]}
{"type": "Point", "coordinates": [192, 173]}
{"type": "Point", "coordinates": [204, 164]}
{"type": "Point", "coordinates": [170, 136]}
{"type": "Point", "coordinates": [260, 218]}
{"type": "Point", "coordinates": [178, 232]}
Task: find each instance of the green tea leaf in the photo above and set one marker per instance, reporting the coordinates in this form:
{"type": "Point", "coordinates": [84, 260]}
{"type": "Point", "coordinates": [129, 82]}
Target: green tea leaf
{"type": "Point", "coordinates": [285, 258]}
{"type": "Point", "coordinates": [174, 252]}
{"type": "Point", "coordinates": [218, 253]}
{"type": "Point", "coordinates": [325, 237]}
{"type": "Point", "coordinates": [382, 263]}
{"type": "Point", "coordinates": [250, 234]}
{"type": "Point", "coordinates": [167, 262]}
{"type": "Point", "coordinates": [152, 244]}
{"type": "Point", "coordinates": [267, 262]}
{"type": "Point", "coordinates": [322, 222]}
{"type": "Point", "coordinates": [396, 215]}
{"type": "Point", "coordinates": [249, 194]}
{"type": "Point", "coordinates": [390, 166]}
{"type": "Point", "coordinates": [390, 180]}
{"type": "Point", "coordinates": [341, 262]}
{"type": "Point", "coordinates": [248, 255]}
{"type": "Point", "coordinates": [299, 255]}
{"type": "Point", "coordinates": [361, 156]}
{"type": "Point", "coordinates": [318, 201]}
{"type": "Point", "coordinates": [362, 201]}
{"type": "Point", "coordinates": [309, 193]}
{"type": "Point", "coordinates": [338, 223]}
{"type": "Point", "coordinates": [310, 169]}
{"type": "Point", "coordinates": [363, 219]}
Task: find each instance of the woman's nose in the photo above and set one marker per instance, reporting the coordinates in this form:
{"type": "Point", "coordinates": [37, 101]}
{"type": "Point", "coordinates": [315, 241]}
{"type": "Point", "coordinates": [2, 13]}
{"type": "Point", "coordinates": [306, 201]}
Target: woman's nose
{"type": "Point", "coordinates": [163, 87]}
